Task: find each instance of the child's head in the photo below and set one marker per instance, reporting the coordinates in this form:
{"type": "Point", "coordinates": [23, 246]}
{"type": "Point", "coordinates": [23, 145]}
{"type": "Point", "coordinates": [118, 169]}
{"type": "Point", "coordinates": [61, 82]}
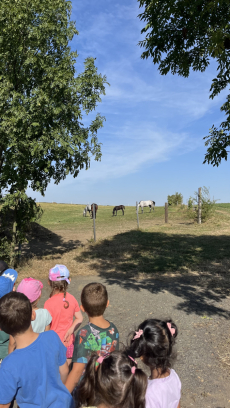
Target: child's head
{"type": "Point", "coordinates": [7, 281]}
{"type": "Point", "coordinates": [59, 281]}
{"type": "Point", "coordinates": [15, 313]}
{"type": "Point", "coordinates": [3, 267]}
{"type": "Point", "coordinates": [94, 299]}
{"type": "Point", "coordinates": [113, 380]}
{"type": "Point", "coordinates": [32, 288]}
{"type": "Point", "coordinates": [153, 342]}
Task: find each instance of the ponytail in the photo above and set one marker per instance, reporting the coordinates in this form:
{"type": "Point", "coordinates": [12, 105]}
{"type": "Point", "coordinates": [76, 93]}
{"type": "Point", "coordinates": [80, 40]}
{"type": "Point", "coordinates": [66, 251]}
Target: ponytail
{"type": "Point", "coordinates": [86, 391]}
{"type": "Point", "coordinates": [113, 380]}
{"type": "Point", "coordinates": [154, 342]}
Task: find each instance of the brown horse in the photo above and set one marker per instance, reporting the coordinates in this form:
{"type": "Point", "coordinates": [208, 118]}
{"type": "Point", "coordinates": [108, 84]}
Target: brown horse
{"type": "Point", "coordinates": [96, 208]}
{"type": "Point", "coordinates": [117, 208]}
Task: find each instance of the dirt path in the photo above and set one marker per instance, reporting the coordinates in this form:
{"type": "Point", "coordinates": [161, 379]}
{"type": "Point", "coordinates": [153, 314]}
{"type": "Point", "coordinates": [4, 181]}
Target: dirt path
{"type": "Point", "coordinates": [204, 329]}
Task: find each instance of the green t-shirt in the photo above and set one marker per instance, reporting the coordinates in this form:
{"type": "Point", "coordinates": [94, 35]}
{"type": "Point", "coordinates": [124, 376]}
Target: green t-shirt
{"type": "Point", "coordinates": [93, 338]}
{"type": "Point", "coordinates": [4, 343]}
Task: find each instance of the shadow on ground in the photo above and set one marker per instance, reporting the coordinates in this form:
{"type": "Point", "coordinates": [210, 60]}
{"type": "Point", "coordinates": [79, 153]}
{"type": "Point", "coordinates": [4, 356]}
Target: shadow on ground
{"type": "Point", "coordinates": [42, 242]}
{"type": "Point", "coordinates": [133, 258]}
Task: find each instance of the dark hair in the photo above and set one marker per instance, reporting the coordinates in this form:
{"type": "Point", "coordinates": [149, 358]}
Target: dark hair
{"type": "Point", "coordinates": [113, 383]}
{"type": "Point", "coordinates": [155, 345]}
{"type": "Point", "coordinates": [61, 287]}
{"type": "Point", "coordinates": [15, 313]}
{"type": "Point", "coordinates": [3, 267]}
{"type": "Point", "coordinates": [94, 299]}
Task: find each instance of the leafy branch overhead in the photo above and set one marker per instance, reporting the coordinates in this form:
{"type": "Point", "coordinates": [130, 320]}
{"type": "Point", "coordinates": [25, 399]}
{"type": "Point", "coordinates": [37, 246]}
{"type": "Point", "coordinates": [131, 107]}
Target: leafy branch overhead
{"type": "Point", "coordinates": [185, 35]}
{"type": "Point", "coordinates": [42, 100]}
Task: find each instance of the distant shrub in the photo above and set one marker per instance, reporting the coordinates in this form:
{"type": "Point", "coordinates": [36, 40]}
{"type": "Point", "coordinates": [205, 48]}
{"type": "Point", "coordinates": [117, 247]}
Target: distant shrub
{"type": "Point", "coordinates": [207, 205]}
{"type": "Point", "coordinates": [175, 199]}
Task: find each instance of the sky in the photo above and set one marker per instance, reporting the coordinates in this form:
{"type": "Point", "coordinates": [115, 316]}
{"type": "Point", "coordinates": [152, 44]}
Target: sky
{"type": "Point", "coordinates": [152, 140]}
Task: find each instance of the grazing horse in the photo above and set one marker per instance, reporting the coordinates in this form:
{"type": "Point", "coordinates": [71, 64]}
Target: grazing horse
{"type": "Point", "coordinates": [117, 208]}
{"type": "Point", "coordinates": [96, 208]}
{"type": "Point", "coordinates": [148, 203]}
{"type": "Point", "coordinates": [87, 208]}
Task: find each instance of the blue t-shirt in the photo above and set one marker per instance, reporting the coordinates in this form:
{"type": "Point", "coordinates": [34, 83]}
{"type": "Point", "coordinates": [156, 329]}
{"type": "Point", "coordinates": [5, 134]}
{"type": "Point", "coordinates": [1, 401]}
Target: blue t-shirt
{"type": "Point", "coordinates": [32, 374]}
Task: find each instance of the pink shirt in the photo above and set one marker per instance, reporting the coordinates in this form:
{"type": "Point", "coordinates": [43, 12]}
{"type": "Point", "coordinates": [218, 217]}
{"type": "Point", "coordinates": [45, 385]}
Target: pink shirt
{"type": "Point", "coordinates": [62, 319]}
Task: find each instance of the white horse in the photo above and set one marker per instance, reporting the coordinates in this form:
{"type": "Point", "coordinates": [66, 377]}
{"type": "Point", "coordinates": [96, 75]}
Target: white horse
{"type": "Point", "coordinates": [148, 203]}
{"type": "Point", "coordinates": [87, 208]}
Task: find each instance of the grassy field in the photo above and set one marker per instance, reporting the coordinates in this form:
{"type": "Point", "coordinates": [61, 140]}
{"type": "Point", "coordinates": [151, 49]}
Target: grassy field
{"type": "Point", "coordinates": [181, 246]}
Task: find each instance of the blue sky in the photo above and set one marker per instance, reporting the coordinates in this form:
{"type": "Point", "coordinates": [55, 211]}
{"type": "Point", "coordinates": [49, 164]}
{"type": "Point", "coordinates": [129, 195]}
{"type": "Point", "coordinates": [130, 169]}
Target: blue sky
{"type": "Point", "coordinates": [153, 135]}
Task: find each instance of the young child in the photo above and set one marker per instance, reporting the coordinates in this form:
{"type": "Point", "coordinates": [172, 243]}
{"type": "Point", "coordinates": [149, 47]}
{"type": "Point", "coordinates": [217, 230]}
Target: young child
{"type": "Point", "coordinates": [32, 288]}
{"type": "Point", "coordinates": [63, 307]}
{"type": "Point", "coordinates": [37, 370]}
{"type": "Point", "coordinates": [98, 335]}
{"type": "Point", "coordinates": [7, 282]}
{"type": "Point", "coordinates": [153, 343]}
{"type": "Point", "coordinates": [113, 381]}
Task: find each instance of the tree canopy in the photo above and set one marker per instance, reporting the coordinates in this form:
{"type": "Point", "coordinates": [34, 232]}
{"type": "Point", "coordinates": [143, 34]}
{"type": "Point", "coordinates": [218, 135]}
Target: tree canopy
{"type": "Point", "coordinates": [42, 100]}
{"type": "Point", "coordinates": [184, 35]}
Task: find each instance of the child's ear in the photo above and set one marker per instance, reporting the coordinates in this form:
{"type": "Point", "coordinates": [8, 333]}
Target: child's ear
{"type": "Point", "coordinates": [48, 282]}
{"type": "Point", "coordinates": [33, 315]}
{"type": "Point", "coordinates": [107, 303]}
{"type": "Point", "coordinates": [82, 309]}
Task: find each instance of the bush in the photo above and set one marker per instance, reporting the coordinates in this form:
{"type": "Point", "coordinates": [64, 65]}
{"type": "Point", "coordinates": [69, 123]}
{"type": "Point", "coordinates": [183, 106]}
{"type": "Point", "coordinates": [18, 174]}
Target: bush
{"type": "Point", "coordinates": [207, 205]}
{"type": "Point", "coordinates": [175, 199]}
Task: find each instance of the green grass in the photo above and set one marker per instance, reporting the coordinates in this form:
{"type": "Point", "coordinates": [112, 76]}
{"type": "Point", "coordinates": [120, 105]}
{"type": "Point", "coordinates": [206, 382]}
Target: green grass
{"type": "Point", "coordinates": [65, 236]}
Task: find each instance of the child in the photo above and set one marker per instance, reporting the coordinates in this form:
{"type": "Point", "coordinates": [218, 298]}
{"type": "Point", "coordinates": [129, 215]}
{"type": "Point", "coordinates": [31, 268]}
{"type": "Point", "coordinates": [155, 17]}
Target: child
{"type": "Point", "coordinates": [98, 335]}
{"type": "Point", "coordinates": [63, 307]}
{"type": "Point", "coordinates": [32, 288]}
{"type": "Point", "coordinates": [37, 370]}
{"type": "Point", "coordinates": [113, 381]}
{"type": "Point", "coordinates": [153, 343]}
{"type": "Point", "coordinates": [7, 282]}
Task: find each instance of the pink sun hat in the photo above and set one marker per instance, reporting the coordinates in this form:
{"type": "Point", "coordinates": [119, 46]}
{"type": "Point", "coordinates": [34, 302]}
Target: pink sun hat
{"type": "Point", "coordinates": [32, 288]}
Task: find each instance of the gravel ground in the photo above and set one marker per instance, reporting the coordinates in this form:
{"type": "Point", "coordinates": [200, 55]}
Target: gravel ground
{"type": "Point", "coordinates": [204, 329]}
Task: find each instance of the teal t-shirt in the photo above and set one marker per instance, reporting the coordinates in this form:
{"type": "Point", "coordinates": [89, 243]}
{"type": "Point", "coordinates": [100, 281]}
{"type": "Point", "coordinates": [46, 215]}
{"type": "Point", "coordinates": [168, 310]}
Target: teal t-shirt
{"type": "Point", "coordinates": [4, 343]}
{"type": "Point", "coordinates": [93, 338]}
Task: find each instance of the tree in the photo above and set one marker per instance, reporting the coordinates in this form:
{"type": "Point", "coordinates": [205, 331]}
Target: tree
{"type": "Point", "coordinates": [182, 35]}
{"type": "Point", "coordinates": [42, 101]}
{"type": "Point", "coordinates": [175, 199]}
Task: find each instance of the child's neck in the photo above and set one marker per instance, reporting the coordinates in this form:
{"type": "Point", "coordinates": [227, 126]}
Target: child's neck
{"type": "Point", "coordinates": [99, 321]}
{"type": "Point", "coordinates": [25, 339]}
{"type": "Point", "coordinates": [157, 374]}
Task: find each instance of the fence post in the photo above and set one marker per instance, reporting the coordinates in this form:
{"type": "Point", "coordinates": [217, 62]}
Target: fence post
{"type": "Point", "coordinates": [166, 213]}
{"type": "Point", "coordinates": [199, 206]}
{"type": "Point", "coordinates": [137, 215]}
{"type": "Point", "coordinates": [94, 226]}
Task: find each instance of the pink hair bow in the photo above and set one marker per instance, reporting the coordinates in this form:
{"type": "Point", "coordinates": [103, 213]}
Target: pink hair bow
{"type": "Point", "coordinates": [172, 331]}
{"type": "Point", "coordinates": [138, 334]}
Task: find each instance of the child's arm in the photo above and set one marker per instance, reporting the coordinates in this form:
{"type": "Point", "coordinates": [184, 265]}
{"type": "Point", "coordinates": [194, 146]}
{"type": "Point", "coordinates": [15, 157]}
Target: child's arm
{"type": "Point", "coordinates": [5, 405]}
{"type": "Point", "coordinates": [47, 327]}
{"type": "Point", "coordinates": [74, 376]}
{"type": "Point", "coordinates": [64, 371]}
{"type": "Point", "coordinates": [12, 345]}
{"type": "Point", "coordinates": [78, 320]}
{"type": "Point", "coordinates": [178, 405]}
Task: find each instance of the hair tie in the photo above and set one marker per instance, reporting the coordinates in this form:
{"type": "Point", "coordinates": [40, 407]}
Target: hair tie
{"type": "Point", "coordinates": [138, 334]}
{"type": "Point", "coordinates": [133, 369]}
{"type": "Point", "coordinates": [63, 299]}
{"type": "Point", "coordinates": [172, 331]}
{"type": "Point", "coordinates": [131, 358]}
{"type": "Point", "coordinates": [100, 360]}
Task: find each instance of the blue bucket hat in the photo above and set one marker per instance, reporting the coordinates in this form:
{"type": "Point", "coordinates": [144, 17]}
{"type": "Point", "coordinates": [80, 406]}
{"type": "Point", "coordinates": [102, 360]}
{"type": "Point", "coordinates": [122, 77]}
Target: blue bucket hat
{"type": "Point", "coordinates": [7, 281]}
